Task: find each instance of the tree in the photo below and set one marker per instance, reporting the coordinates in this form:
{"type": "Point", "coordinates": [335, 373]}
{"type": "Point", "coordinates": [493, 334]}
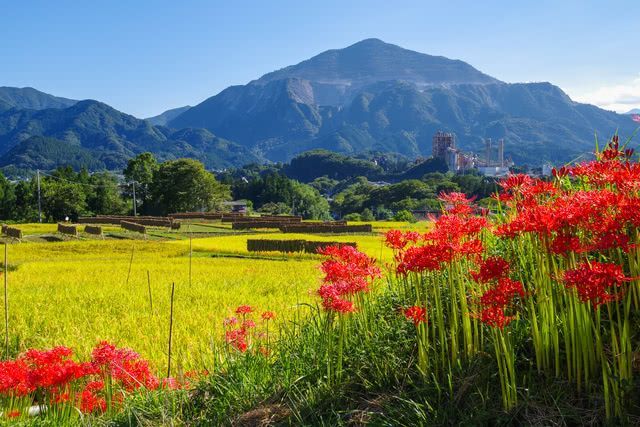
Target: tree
{"type": "Point", "coordinates": [324, 185]}
{"type": "Point", "coordinates": [308, 202]}
{"type": "Point", "coordinates": [104, 196]}
{"type": "Point", "coordinates": [184, 185]}
{"type": "Point", "coordinates": [26, 207]}
{"type": "Point", "coordinates": [7, 198]}
{"type": "Point", "coordinates": [61, 199]}
{"type": "Point", "coordinates": [279, 208]}
{"type": "Point", "coordinates": [141, 170]}
{"type": "Point", "coordinates": [273, 187]}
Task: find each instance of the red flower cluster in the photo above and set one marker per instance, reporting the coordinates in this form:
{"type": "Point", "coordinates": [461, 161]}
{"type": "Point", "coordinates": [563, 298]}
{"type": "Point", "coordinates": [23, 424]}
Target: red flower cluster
{"type": "Point", "coordinates": [497, 299]}
{"type": "Point", "coordinates": [268, 315]}
{"type": "Point", "coordinates": [53, 374]}
{"type": "Point", "coordinates": [238, 334]}
{"type": "Point", "coordinates": [457, 203]}
{"type": "Point", "coordinates": [347, 272]}
{"type": "Point", "coordinates": [454, 235]}
{"type": "Point", "coordinates": [492, 268]}
{"type": "Point", "coordinates": [416, 314]}
{"type": "Point", "coordinates": [244, 309]}
{"type": "Point", "coordinates": [237, 338]}
{"type": "Point", "coordinates": [125, 366]}
{"type": "Point", "coordinates": [397, 239]}
{"type": "Point", "coordinates": [599, 217]}
{"type": "Point", "coordinates": [594, 282]}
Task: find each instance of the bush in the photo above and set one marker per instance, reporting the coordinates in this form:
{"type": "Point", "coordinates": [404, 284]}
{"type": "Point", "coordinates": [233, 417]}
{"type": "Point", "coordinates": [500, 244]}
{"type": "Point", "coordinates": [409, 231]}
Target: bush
{"type": "Point", "coordinates": [367, 215]}
{"type": "Point", "coordinates": [352, 217]}
{"type": "Point", "coordinates": [404, 216]}
{"type": "Point", "coordinates": [383, 214]}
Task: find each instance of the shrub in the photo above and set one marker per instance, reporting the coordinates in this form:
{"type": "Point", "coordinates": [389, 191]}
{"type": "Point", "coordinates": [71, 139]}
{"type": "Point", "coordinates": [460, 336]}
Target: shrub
{"type": "Point", "coordinates": [404, 216]}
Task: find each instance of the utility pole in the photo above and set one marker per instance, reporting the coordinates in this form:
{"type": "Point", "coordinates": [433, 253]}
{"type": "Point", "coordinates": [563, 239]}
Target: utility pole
{"type": "Point", "coordinates": [134, 199]}
{"type": "Point", "coordinates": [39, 197]}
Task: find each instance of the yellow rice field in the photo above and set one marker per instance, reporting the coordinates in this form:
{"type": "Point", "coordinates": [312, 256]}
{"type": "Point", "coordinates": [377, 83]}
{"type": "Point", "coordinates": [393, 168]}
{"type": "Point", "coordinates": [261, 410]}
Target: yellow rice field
{"type": "Point", "coordinates": [76, 293]}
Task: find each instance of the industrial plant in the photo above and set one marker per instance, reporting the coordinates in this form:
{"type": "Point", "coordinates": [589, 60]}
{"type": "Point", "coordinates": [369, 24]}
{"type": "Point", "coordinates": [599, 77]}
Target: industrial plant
{"type": "Point", "coordinates": [492, 163]}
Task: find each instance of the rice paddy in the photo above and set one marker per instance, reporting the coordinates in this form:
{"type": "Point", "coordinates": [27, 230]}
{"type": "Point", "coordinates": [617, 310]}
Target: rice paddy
{"type": "Point", "coordinates": [78, 292]}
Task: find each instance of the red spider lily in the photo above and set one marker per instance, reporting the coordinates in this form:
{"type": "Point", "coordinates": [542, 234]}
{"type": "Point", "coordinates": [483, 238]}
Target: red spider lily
{"type": "Point", "coordinates": [268, 315]}
{"type": "Point", "coordinates": [494, 316]}
{"type": "Point", "coordinates": [453, 228]}
{"type": "Point", "coordinates": [14, 378]}
{"type": "Point", "coordinates": [560, 173]}
{"type": "Point", "coordinates": [230, 321]}
{"type": "Point", "coordinates": [53, 373]}
{"type": "Point", "coordinates": [397, 239]}
{"type": "Point", "coordinates": [238, 339]}
{"type": "Point", "coordinates": [347, 272]}
{"type": "Point", "coordinates": [502, 197]}
{"type": "Point", "coordinates": [332, 300]}
{"type": "Point", "coordinates": [495, 301]}
{"type": "Point", "coordinates": [90, 402]}
{"type": "Point", "coordinates": [565, 243]}
{"type": "Point", "coordinates": [244, 309]}
{"type": "Point", "coordinates": [247, 324]}
{"type": "Point", "coordinates": [41, 369]}
{"type": "Point", "coordinates": [457, 203]}
{"type": "Point", "coordinates": [346, 263]}
{"type": "Point", "coordinates": [492, 268]}
{"type": "Point", "coordinates": [125, 366]}
{"type": "Point", "coordinates": [502, 294]}
{"type": "Point", "coordinates": [13, 414]}
{"type": "Point", "coordinates": [594, 282]}
{"type": "Point", "coordinates": [516, 183]}
{"type": "Point", "coordinates": [430, 257]}
{"type": "Point", "coordinates": [416, 314]}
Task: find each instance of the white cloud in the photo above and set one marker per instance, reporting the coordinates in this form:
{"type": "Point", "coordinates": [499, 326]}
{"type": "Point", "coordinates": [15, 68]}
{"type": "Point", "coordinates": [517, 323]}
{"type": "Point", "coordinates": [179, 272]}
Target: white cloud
{"type": "Point", "coordinates": [620, 97]}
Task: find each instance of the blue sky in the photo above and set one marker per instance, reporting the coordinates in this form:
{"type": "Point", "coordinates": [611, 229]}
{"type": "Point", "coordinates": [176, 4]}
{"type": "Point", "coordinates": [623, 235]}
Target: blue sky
{"type": "Point", "coordinates": [143, 57]}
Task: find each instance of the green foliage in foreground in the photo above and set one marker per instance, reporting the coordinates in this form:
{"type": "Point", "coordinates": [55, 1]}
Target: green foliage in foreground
{"type": "Point", "coordinates": [379, 383]}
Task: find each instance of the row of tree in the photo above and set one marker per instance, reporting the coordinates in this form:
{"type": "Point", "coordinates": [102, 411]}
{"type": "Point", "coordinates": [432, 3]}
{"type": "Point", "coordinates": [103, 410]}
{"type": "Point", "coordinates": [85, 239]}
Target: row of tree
{"type": "Point", "coordinates": [160, 188]}
{"type": "Point", "coordinates": [184, 185]}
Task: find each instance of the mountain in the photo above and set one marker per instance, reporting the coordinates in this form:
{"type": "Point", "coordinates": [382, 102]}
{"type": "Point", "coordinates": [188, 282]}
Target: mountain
{"type": "Point", "coordinates": [337, 74]}
{"type": "Point", "coordinates": [164, 118]}
{"type": "Point", "coordinates": [96, 135]}
{"type": "Point", "coordinates": [30, 98]}
{"type": "Point", "coordinates": [377, 96]}
{"type": "Point", "coordinates": [634, 111]}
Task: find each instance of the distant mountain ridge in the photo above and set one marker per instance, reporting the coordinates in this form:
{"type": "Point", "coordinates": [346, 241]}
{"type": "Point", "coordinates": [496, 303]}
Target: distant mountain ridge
{"type": "Point", "coordinates": [30, 98]}
{"type": "Point", "coordinates": [31, 139]}
{"type": "Point", "coordinates": [163, 118]}
{"type": "Point", "coordinates": [634, 111]}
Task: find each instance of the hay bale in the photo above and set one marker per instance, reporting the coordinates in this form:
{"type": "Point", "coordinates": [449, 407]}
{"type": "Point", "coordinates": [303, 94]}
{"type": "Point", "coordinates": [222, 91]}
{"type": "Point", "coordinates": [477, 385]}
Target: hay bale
{"type": "Point", "coordinates": [69, 229]}
{"type": "Point", "coordinates": [326, 228]}
{"type": "Point", "coordinates": [246, 225]}
{"type": "Point", "coordinates": [13, 232]}
{"type": "Point", "coordinates": [268, 245]}
{"type": "Point", "coordinates": [313, 247]}
{"type": "Point", "coordinates": [93, 229]}
{"type": "Point", "coordinates": [132, 226]}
